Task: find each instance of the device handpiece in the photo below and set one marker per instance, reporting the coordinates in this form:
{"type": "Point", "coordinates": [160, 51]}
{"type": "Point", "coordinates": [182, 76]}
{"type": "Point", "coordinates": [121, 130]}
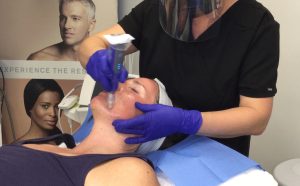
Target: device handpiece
{"type": "Point", "coordinates": [110, 100]}
{"type": "Point", "coordinates": [118, 45]}
{"type": "Point", "coordinates": [117, 67]}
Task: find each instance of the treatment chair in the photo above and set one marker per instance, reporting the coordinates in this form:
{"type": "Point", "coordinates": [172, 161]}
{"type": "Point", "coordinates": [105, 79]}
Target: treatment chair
{"type": "Point", "coordinates": [197, 160]}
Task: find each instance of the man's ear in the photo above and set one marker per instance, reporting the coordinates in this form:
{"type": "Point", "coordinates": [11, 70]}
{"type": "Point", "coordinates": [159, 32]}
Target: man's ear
{"type": "Point", "coordinates": [92, 25]}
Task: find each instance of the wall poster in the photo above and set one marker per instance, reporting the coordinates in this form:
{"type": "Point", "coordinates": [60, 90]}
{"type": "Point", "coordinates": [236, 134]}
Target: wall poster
{"type": "Point", "coordinates": [39, 40]}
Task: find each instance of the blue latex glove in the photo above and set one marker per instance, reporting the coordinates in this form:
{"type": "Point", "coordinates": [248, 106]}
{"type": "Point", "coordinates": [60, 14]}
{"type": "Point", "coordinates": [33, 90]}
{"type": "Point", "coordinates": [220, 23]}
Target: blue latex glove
{"type": "Point", "coordinates": [159, 121]}
{"type": "Point", "coordinates": [100, 68]}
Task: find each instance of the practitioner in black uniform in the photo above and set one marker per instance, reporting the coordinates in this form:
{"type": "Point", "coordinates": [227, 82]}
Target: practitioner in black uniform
{"type": "Point", "coordinates": [217, 58]}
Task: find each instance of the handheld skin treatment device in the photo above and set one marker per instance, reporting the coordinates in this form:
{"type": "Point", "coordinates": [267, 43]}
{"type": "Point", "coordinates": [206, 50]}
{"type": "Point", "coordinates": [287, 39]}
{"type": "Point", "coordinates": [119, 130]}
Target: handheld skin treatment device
{"type": "Point", "coordinates": [118, 45]}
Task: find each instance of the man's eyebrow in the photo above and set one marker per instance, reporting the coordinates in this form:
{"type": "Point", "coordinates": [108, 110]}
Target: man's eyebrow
{"type": "Point", "coordinates": [74, 15]}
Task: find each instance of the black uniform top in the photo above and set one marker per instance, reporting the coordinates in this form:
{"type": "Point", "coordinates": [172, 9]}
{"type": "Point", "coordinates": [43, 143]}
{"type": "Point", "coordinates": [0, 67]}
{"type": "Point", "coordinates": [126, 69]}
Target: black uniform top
{"type": "Point", "coordinates": [237, 55]}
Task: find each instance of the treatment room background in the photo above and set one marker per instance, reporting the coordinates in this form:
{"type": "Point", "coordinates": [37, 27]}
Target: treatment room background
{"type": "Point", "coordinates": [29, 25]}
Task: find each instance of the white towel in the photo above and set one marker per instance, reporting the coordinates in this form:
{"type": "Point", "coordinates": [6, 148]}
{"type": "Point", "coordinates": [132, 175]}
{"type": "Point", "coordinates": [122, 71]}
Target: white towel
{"type": "Point", "coordinates": [155, 144]}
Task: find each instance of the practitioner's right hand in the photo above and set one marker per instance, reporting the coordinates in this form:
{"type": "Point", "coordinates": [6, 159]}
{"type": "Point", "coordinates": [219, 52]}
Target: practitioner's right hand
{"type": "Point", "coordinates": [159, 121]}
{"type": "Point", "coordinates": [100, 68]}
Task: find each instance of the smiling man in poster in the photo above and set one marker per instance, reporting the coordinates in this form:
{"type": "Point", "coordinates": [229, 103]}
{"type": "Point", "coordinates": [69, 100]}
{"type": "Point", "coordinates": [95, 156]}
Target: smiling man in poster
{"type": "Point", "coordinates": [76, 21]}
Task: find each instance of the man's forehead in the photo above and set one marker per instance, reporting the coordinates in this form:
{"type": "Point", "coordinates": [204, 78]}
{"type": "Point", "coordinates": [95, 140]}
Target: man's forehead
{"type": "Point", "coordinates": [74, 6]}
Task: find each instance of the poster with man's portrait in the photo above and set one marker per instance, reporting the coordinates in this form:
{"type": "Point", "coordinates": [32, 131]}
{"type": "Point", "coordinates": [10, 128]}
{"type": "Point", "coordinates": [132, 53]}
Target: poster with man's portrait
{"type": "Point", "coordinates": [38, 40]}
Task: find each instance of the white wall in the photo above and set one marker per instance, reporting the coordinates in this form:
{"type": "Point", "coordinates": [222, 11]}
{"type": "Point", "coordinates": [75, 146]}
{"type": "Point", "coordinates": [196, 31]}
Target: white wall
{"type": "Point", "coordinates": [125, 6]}
{"type": "Point", "coordinates": [281, 141]}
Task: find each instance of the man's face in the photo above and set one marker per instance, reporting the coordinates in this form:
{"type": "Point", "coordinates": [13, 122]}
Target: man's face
{"type": "Point", "coordinates": [133, 90]}
{"type": "Point", "coordinates": [74, 23]}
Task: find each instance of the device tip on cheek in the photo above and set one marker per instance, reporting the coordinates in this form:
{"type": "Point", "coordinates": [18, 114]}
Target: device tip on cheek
{"type": "Point", "coordinates": [110, 100]}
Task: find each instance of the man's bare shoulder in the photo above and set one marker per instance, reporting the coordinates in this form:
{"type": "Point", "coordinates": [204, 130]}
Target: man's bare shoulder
{"type": "Point", "coordinates": [123, 171]}
{"type": "Point", "coordinates": [50, 53]}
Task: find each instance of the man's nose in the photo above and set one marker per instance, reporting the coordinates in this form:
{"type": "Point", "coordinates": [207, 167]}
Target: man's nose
{"type": "Point", "coordinates": [68, 23]}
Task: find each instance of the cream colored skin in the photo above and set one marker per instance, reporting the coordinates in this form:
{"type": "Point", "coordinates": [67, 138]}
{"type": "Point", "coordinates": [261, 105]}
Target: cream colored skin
{"type": "Point", "coordinates": [75, 25]}
{"type": "Point", "coordinates": [249, 118]}
{"type": "Point", "coordinates": [103, 139]}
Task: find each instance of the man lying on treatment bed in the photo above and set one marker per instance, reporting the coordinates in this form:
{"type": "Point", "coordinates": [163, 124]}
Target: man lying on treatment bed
{"type": "Point", "coordinates": [103, 158]}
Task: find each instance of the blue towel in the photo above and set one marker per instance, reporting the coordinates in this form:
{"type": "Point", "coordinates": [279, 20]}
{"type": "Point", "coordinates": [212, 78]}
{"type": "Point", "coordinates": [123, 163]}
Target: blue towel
{"type": "Point", "coordinates": [201, 161]}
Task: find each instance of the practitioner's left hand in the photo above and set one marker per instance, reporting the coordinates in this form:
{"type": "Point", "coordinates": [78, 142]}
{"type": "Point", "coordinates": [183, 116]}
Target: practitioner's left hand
{"type": "Point", "coordinates": [159, 121]}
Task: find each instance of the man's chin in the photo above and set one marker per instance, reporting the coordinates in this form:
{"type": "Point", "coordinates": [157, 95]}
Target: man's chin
{"type": "Point", "coordinates": [69, 42]}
